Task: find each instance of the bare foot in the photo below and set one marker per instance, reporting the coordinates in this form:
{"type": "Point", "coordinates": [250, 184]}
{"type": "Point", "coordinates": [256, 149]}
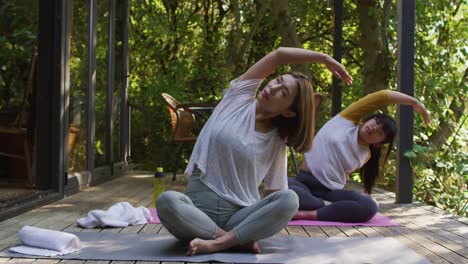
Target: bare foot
{"type": "Point", "coordinates": [252, 246]}
{"type": "Point", "coordinates": [305, 215]}
{"type": "Point", "coordinates": [219, 232]}
{"type": "Point", "coordinates": [200, 246]}
{"type": "Point", "coordinates": [228, 240]}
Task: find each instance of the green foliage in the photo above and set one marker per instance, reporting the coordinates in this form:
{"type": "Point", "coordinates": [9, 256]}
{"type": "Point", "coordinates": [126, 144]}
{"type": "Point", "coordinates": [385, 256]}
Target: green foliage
{"type": "Point", "coordinates": [187, 49]}
{"type": "Point", "coordinates": [440, 179]}
{"type": "Point", "coordinates": [19, 29]}
{"type": "Point", "coordinates": [440, 83]}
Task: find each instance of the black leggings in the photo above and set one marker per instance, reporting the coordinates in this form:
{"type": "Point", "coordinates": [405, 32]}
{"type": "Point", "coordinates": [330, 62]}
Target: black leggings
{"type": "Point", "coordinates": [347, 206]}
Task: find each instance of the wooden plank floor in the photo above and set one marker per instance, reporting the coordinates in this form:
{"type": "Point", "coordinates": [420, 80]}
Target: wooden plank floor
{"type": "Point", "coordinates": [430, 232]}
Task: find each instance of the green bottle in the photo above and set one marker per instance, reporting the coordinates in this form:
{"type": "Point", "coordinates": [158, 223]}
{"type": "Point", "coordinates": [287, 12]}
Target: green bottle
{"type": "Point", "coordinates": [158, 184]}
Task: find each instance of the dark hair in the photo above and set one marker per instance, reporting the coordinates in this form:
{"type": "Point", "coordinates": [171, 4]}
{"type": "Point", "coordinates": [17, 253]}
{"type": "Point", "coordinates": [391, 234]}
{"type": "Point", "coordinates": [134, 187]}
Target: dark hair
{"type": "Point", "coordinates": [370, 171]}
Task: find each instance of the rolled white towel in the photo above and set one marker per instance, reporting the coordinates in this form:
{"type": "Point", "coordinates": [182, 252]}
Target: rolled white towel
{"type": "Point", "coordinates": [46, 242]}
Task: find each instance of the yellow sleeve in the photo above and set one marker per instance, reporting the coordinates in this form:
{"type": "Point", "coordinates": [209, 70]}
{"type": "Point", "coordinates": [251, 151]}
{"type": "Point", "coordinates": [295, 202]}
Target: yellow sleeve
{"type": "Point", "coordinates": [365, 105]}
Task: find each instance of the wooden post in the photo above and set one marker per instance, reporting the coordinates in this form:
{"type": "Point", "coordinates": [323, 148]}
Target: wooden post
{"type": "Point", "coordinates": [51, 87]}
{"type": "Point", "coordinates": [124, 108]}
{"type": "Point", "coordinates": [405, 83]}
{"type": "Point", "coordinates": [110, 86]}
{"type": "Point", "coordinates": [337, 47]}
{"type": "Point", "coordinates": [90, 114]}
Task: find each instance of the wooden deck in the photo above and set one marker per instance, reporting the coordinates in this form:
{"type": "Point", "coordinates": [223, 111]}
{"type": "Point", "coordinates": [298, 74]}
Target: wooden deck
{"type": "Point", "coordinates": [430, 232]}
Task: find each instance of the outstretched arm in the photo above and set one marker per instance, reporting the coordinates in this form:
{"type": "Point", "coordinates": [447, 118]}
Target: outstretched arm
{"type": "Point", "coordinates": [403, 99]}
{"type": "Point", "coordinates": [372, 101]}
{"type": "Point", "coordinates": [280, 56]}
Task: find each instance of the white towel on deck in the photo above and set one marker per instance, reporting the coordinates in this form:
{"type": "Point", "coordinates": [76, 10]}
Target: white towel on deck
{"type": "Point", "coordinates": [120, 214]}
{"type": "Point", "coordinates": [45, 242]}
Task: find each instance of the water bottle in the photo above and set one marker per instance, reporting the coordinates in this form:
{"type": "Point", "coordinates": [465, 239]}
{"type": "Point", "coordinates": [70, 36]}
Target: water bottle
{"type": "Point", "coordinates": [158, 184]}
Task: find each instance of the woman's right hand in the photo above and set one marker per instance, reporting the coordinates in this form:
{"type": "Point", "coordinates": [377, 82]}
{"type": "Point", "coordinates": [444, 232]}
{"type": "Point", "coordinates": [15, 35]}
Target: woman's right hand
{"type": "Point", "coordinates": [419, 107]}
{"type": "Point", "coordinates": [338, 70]}
{"type": "Point", "coordinates": [404, 99]}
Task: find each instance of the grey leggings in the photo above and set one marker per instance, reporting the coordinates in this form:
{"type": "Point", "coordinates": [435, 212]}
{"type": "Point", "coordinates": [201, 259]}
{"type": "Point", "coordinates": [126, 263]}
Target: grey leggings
{"type": "Point", "coordinates": [200, 211]}
{"type": "Point", "coordinates": [347, 206]}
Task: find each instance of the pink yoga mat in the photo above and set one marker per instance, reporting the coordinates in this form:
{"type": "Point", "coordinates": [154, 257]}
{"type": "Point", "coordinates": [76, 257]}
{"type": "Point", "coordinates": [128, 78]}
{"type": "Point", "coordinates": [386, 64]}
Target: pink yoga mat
{"type": "Point", "coordinates": [154, 217]}
{"type": "Point", "coordinates": [378, 220]}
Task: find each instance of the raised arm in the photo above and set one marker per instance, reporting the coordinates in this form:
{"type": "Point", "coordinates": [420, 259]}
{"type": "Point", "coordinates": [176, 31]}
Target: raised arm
{"type": "Point", "coordinates": [403, 99]}
{"type": "Point", "coordinates": [373, 101]}
{"type": "Point", "coordinates": [280, 56]}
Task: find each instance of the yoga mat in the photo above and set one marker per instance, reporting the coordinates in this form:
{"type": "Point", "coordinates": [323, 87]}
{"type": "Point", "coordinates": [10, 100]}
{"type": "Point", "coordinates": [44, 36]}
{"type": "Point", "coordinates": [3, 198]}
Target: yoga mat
{"type": "Point", "coordinates": [154, 216]}
{"type": "Point", "coordinates": [378, 220]}
{"type": "Point", "coordinates": [289, 249]}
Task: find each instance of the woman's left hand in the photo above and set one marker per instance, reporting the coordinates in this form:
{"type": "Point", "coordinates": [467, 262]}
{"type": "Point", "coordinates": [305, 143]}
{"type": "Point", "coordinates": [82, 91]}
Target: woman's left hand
{"type": "Point", "coordinates": [338, 70]}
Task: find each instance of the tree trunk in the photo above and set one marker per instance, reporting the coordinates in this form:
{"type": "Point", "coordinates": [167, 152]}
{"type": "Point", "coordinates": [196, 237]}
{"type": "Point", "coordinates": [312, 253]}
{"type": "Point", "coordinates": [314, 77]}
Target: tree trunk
{"type": "Point", "coordinates": [373, 43]}
{"type": "Point", "coordinates": [172, 46]}
{"type": "Point", "coordinates": [287, 30]}
{"type": "Point", "coordinates": [235, 39]}
{"type": "Point", "coordinates": [239, 45]}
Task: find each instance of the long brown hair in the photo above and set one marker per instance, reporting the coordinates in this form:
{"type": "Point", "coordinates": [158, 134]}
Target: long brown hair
{"type": "Point", "coordinates": [298, 131]}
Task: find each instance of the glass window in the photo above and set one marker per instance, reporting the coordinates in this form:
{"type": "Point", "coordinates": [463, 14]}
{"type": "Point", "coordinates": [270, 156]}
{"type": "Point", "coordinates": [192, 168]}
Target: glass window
{"type": "Point", "coordinates": [18, 60]}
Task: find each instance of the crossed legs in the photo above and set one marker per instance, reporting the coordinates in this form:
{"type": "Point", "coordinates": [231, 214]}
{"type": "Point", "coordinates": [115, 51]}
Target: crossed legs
{"type": "Point", "coordinates": [316, 202]}
{"type": "Point", "coordinates": [213, 224]}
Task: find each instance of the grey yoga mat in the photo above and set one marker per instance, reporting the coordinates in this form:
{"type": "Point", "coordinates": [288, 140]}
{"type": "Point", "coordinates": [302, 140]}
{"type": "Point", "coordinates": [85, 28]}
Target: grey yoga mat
{"type": "Point", "coordinates": [289, 249]}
